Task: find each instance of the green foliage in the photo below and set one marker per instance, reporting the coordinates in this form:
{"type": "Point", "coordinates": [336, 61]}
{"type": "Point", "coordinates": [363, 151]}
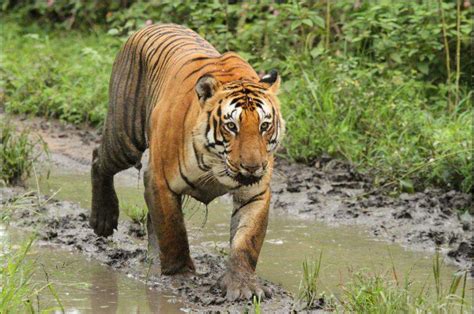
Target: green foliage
{"type": "Point", "coordinates": [392, 125]}
{"type": "Point", "coordinates": [136, 213]}
{"type": "Point", "coordinates": [407, 36]}
{"type": "Point", "coordinates": [18, 294]}
{"type": "Point", "coordinates": [56, 76]}
{"type": "Point", "coordinates": [310, 294]}
{"type": "Point", "coordinates": [380, 294]}
{"type": "Point", "coordinates": [366, 292]}
{"type": "Point", "coordinates": [375, 87]}
{"type": "Point", "coordinates": [17, 154]}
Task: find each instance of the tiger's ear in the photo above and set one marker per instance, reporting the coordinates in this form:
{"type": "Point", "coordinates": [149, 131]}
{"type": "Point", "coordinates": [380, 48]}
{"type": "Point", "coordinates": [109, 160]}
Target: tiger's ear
{"type": "Point", "coordinates": [273, 80]}
{"type": "Point", "coordinates": [206, 87]}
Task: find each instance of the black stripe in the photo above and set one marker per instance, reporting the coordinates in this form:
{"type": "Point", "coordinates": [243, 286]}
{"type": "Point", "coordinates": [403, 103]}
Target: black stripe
{"type": "Point", "coordinates": [198, 69]}
{"type": "Point", "coordinates": [200, 160]}
{"type": "Point", "coordinates": [163, 63]}
{"type": "Point", "coordinates": [190, 61]}
{"type": "Point", "coordinates": [251, 200]}
{"type": "Point", "coordinates": [184, 177]}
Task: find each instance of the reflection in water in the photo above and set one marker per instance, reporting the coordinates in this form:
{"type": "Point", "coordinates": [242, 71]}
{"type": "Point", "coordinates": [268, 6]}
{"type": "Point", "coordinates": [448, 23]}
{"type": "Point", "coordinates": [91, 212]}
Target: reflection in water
{"type": "Point", "coordinates": [104, 291]}
{"type": "Point", "coordinates": [85, 286]}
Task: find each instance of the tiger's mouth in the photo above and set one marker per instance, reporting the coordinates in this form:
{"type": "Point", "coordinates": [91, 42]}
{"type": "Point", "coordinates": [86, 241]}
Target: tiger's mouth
{"type": "Point", "coordinates": [247, 180]}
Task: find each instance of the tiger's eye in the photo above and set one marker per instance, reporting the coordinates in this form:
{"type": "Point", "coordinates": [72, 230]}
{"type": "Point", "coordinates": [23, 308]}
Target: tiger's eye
{"type": "Point", "coordinates": [264, 126]}
{"type": "Point", "coordinates": [231, 126]}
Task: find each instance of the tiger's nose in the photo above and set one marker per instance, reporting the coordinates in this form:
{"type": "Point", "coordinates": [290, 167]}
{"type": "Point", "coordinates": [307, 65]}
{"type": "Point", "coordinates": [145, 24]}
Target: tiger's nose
{"type": "Point", "coordinates": [253, 168]}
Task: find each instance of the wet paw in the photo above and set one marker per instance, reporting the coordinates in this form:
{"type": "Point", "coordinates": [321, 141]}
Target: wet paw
{"type": "Point", "coordinates": [104, 220]}
{"type": "Point", "coordinates": [242, 286]}
{"type": "Point", "coordinates": [181, 268]}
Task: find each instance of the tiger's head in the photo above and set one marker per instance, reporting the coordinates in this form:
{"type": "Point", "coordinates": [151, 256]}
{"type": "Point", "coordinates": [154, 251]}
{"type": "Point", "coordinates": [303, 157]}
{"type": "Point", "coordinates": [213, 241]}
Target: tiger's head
{"type": "Point", "coordinates": [240, 127]}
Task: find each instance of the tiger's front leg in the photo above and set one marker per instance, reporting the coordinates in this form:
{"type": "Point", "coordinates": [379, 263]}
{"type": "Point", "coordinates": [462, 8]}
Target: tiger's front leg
{"type": "Point", "coordinates": [164, 207]}
{"type": "Point", "coordinates": [248, 227]}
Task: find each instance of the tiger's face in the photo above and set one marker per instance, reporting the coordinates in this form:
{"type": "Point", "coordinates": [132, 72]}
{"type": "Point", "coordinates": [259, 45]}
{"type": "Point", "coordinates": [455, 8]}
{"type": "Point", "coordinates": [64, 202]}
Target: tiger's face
{"type": "Point", "coordinates": [243, 127]}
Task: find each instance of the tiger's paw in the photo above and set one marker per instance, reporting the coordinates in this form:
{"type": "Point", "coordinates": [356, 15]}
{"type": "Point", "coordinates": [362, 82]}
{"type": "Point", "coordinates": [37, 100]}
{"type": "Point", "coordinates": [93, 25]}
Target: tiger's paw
{"type": "Point", "coordinates": [242, 286]}
{"type": "Point", "coordinates": [104, 220]}
{"type": "Point", "coordinates": [180, 268]}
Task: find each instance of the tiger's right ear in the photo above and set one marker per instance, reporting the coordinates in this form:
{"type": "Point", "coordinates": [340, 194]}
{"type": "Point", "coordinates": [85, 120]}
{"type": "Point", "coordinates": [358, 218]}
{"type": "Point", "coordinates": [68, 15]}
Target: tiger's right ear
{"type": "Point", "coordinates": [206, 87]}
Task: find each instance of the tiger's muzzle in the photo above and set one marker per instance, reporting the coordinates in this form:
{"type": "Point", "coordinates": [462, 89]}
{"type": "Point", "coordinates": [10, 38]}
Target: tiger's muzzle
{"type": "Point", "coordinates": [247, 174]}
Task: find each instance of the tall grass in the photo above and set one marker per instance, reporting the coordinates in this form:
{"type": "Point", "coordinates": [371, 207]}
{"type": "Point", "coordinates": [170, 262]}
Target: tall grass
{"type": "Point", "coordinates": [18, 293]}
{"type": "Point", "coordinates": [17, 153]}
{"type": "Point", "coordinates": [386, 126]}
{"type": "Point", "coordinates": [310, 293]}
{"type": "Point", "coordinates": [385, 293]}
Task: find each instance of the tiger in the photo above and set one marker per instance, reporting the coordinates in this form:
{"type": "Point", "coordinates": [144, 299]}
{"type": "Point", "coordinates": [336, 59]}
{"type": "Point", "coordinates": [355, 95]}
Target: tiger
{"type": "Point", "coordinates": [211, 126]}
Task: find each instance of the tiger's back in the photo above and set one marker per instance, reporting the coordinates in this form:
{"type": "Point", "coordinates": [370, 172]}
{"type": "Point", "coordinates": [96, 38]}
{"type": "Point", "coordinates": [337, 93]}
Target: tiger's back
{"type": "Point", "coordinates": [157, 64]}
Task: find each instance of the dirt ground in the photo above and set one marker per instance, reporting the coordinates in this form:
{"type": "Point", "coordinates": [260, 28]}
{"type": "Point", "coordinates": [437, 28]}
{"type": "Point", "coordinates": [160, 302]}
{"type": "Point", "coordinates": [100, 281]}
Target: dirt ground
{"type": "Point", "coordinates": [329, 190]}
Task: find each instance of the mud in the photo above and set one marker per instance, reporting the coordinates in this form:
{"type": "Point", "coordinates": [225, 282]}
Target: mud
{"type": "Point", "coordinates": [333, 192]}
{"type": "Point", "coordinates": [329, 190]}
{"type": "Point", "coordinates": [66, 224]}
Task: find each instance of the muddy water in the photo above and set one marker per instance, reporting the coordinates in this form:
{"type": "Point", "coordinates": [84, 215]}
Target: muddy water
{"type": "Point", "coordinates": [85, 286]}
{"type": "Point", "coordinates": [288, 242]}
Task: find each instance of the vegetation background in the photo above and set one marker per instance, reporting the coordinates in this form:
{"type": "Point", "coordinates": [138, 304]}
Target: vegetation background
{"type": "Point", "coordinates": [383, 84]}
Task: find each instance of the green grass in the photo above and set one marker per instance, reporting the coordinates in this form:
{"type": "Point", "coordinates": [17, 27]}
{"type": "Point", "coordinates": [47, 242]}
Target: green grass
{"type": "Point", "coordinates": [389, 126]}
{"type": "Point", "coordinates": [387, 122]}
{"type": "Point", "coordinates": [18, 152]}
{"type": "Point", "coordinates": [366, 292]}
{"type": "Point", "coordinates": [136, 213]}
{"type": "Point", "coordinates": [309, 291]}
{"type": "Point", "coordinates": [55, 75]}
{"type": "Point", "coordinates": [18, 293]}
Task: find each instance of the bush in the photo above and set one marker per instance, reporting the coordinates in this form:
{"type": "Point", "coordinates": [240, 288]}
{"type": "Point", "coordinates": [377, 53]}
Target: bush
{"type": "Point", "coordinates": [17, 154]}
{"type": "Point", "coordinates": [58, 76]}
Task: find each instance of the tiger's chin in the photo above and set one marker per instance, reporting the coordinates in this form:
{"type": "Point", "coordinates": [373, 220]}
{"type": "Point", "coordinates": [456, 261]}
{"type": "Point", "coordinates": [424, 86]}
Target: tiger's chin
{"type": "Point", "coordinates": [238, 180]}
{"type": "Point", "coordinates": [247, 180]}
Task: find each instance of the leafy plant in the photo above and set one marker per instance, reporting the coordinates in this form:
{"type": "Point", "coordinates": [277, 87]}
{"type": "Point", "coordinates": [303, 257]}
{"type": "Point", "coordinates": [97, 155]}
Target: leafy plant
{"type": "Point", "coordinates": [136, 213]}
{"type": "Point", "coordinates": [17, 154]}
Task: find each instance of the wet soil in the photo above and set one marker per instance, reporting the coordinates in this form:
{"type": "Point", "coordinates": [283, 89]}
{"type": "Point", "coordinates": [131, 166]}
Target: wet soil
{"type": "Point", "coordinates": [330, 191]}
{"type": "Point", "coordinates": [333, 192]}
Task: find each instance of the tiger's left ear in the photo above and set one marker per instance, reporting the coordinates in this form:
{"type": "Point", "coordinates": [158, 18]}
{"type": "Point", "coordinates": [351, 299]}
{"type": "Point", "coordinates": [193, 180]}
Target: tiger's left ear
{"type": "Point", "coordinates": [273, 80]}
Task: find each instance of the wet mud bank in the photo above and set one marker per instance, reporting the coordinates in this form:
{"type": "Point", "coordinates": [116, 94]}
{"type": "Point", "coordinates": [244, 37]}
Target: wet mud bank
{"type": "Point", "coordinates": [65, 224]}
{"type": "Point", "coordinates": [333, 192]}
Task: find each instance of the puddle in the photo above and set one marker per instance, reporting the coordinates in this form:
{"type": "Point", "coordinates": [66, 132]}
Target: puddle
{"type": "Point", "coordinates": [287, 244]}
{"type": "Point", "coordinates": [85, 286]}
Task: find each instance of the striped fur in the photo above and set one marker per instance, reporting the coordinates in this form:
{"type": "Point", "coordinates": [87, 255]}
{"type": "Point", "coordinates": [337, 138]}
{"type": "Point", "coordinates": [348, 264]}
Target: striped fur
{"type": "Point", "coordinates": [211, 126]}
